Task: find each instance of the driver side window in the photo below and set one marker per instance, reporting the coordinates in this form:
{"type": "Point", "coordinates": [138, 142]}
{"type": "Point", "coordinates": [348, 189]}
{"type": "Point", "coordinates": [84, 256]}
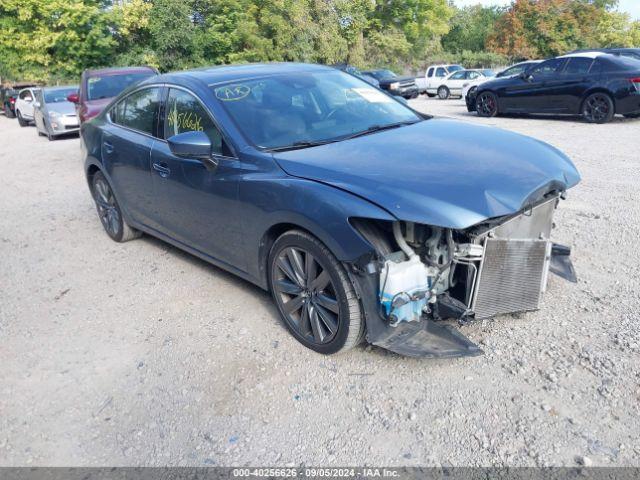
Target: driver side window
{"type": "Point", "coordinates": [547, 68]}
{"type": "Point", "coordinates": [185, 113]}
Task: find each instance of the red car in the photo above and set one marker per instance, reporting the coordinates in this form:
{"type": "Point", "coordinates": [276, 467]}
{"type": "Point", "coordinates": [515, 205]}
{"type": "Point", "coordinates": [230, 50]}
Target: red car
{"type": "Point", "coordinates": [98, 87]}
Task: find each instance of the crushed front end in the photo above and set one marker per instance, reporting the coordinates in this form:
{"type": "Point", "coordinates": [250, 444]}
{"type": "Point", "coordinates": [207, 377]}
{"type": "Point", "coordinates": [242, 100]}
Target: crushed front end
{"type": "Point", "coordinates": [420, 275]}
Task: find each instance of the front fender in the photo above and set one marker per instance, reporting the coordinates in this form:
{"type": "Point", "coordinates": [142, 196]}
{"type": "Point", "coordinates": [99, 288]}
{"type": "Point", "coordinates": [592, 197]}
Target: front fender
{"type": "Point", "coordinates": [276, 204]}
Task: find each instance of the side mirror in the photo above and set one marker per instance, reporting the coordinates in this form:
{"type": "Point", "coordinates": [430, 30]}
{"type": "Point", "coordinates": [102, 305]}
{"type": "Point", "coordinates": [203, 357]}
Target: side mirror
{"type": "Point", "coordinates": [36, 104]}
{"type": "Point", "coordinates": [195, 145]}
{"type": "Point", "coordinates": [73, 97]}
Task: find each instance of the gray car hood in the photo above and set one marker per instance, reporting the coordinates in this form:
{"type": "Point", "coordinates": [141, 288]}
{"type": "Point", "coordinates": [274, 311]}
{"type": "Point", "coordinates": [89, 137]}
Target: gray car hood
{"type": "Point", "coordinates": [439, 172]}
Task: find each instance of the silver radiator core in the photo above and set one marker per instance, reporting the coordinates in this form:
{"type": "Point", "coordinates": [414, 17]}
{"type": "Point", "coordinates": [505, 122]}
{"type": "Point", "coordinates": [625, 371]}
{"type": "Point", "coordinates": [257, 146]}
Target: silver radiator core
{"type": "Point", "coordinates": [512, 276]}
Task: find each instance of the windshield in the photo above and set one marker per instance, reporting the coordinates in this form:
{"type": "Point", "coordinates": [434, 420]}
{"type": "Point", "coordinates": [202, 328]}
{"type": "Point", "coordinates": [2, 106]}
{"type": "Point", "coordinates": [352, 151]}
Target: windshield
{"type": "Point", "coordinates": [58, 95]}
{"type": "Point", "coordinates": [303, 108]}
{"type": "Point", "coordinates": [111, 85]}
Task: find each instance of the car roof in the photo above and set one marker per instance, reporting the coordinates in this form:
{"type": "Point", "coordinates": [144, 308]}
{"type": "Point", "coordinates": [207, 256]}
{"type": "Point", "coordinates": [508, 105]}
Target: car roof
{"type": "Point", "coordinates": [589, 54]}
{"type": "Point", "coordinates": [118, 70]}
{"type": "Point", "coordinates": [231, 73]}
{"type": "Point", "coordinates": [58, 87]}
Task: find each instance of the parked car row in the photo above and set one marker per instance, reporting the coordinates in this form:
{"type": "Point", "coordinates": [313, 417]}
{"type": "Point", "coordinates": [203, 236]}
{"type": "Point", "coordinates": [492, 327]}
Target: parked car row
{"type": "Point", "coordinates": [60, 110]}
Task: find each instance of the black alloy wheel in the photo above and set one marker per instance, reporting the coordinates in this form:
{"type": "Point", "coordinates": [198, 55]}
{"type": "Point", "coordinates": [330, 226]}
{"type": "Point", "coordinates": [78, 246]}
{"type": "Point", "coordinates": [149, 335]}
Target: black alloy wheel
{"type": "Point", "coordinates": [313, 294]}
{"type": "Point", "coordinates": [109, 211]}
{"type": "Point", "coordinates": [487, 104]}
{"type": "Point", "coordinates": [598, 108]}
{"type": "Point", "coordinates": [107, 206]}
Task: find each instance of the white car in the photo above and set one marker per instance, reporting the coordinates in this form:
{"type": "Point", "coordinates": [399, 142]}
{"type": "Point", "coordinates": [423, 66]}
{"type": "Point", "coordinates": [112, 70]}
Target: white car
{"type": "Point", "coordinates": [452, 84]}
{"type": "Point", "coordinates": [430, 82]}
{"type": "Point", "coordinates": [24, 105]}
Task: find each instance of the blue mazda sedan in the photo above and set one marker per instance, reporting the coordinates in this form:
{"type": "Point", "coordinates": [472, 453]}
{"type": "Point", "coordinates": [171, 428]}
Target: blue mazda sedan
{"type": "Point", "coordinates": [362, 217]}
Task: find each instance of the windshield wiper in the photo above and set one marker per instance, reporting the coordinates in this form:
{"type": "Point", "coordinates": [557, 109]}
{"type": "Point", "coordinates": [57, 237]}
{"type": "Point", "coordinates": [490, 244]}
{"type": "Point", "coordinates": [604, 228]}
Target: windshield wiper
{"type": "Point", "coordinates": [299, 145]}
{"type": "Point", "coordinates": [379, 128]}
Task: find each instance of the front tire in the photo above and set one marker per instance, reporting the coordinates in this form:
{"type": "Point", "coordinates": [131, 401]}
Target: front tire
{"type": "Point", "coordinates": [443, 93]}
{"type": "Point", "coordinates": [487, 104]}
{"type": "Point", "coordinates": [313, 294]}
{"type": "Point", "coordinates": [109, 211]}
{"type": "Point", "coordinates": [598, 108]}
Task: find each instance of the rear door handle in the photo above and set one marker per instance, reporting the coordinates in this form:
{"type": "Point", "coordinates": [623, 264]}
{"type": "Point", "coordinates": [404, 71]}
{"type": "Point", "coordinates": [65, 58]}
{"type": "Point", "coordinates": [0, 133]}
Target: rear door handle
{"type": "Point", "coordinates": [108, 147]}
{"type": "Point", "coordinates": [162, 169]}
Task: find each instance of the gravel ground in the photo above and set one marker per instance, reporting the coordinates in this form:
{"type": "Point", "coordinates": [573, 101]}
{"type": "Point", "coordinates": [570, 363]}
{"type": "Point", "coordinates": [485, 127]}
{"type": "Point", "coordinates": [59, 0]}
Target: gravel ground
{"type": "Point", "coordinates": [139, 354]}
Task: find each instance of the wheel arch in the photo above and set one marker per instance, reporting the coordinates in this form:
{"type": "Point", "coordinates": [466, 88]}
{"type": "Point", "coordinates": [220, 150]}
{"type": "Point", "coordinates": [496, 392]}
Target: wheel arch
{"type": "Point", "coordinates": [599, 89]}
{"type": "Point", "coordinates": [328, 218]}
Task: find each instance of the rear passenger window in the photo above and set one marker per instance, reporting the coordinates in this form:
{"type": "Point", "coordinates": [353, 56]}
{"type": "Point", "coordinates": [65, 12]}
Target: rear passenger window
{"type": "Point", "coordinates": [578, 66]}
{"type": "Point", "coordinates": [138, 111]}
{"type": "Point", "coordinates": [430, 72]}
{"type": "Point", "coordinates": [185, 113]}
{"type": "Point", "coordinates": [441, 72]}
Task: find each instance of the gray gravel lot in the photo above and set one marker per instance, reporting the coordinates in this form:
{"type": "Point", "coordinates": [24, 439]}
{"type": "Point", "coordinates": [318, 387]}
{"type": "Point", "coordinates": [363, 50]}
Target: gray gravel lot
{"type": "Point", "coordinates": [139, 354]}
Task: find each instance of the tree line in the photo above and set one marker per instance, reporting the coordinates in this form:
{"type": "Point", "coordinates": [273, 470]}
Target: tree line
{"type": "Point", "coordinates": [49, 40]}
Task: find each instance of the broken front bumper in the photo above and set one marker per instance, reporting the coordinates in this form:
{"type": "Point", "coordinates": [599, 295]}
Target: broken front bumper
{"type": "Point", "coordinates": [509, 276]}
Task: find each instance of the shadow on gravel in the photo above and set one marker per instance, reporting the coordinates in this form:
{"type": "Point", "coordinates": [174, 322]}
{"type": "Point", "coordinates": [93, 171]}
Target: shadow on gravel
{"type": "Point", "coordinates": [234, 281]}
{"type": "Point", "coordinates": [554, 118]}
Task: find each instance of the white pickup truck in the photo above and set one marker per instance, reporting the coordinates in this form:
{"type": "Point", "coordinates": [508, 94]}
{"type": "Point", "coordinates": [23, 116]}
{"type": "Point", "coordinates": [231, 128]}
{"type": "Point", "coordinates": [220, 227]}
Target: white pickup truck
{"type": "Point", "coordinates": [433, 75]}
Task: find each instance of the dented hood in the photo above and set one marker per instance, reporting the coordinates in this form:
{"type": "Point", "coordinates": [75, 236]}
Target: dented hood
{"type": "Point", "coordinates": [439, 172]}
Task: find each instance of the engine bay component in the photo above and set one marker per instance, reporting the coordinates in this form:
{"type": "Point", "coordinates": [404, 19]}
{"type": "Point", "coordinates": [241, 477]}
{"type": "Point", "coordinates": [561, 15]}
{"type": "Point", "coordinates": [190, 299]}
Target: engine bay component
{"type": "Point", "coordinates": [404, 289]}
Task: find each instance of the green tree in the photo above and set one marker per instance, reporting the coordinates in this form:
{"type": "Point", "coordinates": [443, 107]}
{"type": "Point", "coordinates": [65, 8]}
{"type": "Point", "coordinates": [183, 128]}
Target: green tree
{"type": "Point", "coordinates": [470, 28]}
{"type": "Point", "coordinates": [45, 38]}
{"type": "Point", "coordinates": [172, 31]}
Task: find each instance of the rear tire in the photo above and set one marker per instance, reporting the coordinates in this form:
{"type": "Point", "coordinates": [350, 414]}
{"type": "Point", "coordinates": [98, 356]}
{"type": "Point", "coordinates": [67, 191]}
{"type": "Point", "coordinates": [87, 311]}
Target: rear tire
{"type": "Point", "coordinates": [109, 211]}
{"type": "Point", "coordinates": [313, 294]}
{"type": "Point", "coordinates": [598, 108]}
{"type": "Point", "coordinates": [443, 93]}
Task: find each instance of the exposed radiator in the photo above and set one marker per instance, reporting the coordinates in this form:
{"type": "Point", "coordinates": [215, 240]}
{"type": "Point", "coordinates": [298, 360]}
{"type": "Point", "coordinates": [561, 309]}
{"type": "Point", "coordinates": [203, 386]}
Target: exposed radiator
{"type": "Point", "coordinates": [512, 277]}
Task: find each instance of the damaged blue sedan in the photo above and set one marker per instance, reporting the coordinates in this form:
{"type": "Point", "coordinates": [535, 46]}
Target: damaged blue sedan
{"type": "Point", "coordinates": [364, 218]}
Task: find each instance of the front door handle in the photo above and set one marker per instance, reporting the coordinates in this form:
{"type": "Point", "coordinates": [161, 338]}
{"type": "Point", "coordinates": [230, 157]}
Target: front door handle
{"type": "Point", "coordinates": [162, 169]}
{"type": "Point", "coordinates": [108, 147]}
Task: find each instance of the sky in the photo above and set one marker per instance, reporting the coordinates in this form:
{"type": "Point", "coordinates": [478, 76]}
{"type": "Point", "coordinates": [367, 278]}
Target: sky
{"type": "Point", "coordinates": [630, 6]}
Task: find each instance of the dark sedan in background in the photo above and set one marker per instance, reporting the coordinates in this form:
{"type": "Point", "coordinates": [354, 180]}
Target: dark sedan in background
{"type": "Point", "coordinates": [364, 218]}
{"type": "Point", "coordinates": [404, 87]}
{"type": "Point", "coordinates": [595, 85]}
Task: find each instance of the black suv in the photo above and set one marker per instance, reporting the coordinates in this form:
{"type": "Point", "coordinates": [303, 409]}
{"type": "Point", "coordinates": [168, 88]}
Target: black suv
{"type": "Point", "coordinates": [399, 86]}
{"type": "Point", "coordinates": [595, 85]}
